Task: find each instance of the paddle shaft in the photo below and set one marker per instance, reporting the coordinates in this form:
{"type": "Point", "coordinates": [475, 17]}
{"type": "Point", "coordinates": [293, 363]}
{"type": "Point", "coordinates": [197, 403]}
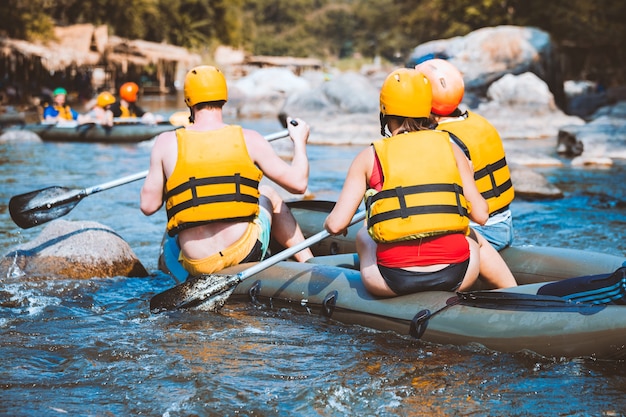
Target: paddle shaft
{"type": "Point", "coordinates": [115, 183]}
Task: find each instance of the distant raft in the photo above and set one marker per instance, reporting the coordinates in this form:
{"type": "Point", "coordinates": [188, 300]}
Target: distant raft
{"type": "Point", "coordinates": [94, 132]}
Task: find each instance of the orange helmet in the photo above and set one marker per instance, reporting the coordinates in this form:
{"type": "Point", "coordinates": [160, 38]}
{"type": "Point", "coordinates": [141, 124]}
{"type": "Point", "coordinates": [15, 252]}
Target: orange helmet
{"type": "Point", "coordinates": [203, 84]}
{"type": "Point", "coordinates": [406, 93]}
{"type": "Point", "coordinates": [447, 84]}
{"type": "Point", "coordinates": [128, 91]}
{"type": "Point", "coordinates": [104, 99]}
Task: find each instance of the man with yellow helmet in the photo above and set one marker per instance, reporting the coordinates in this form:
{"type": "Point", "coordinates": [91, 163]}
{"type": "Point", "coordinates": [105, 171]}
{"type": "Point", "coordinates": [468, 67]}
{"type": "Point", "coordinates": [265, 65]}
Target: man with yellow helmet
{"type": "Point", "coordinates": [482, 145]}
{"type": "Point", "coordinates": [101, 112]}
{"type": "Point", "coordinates": [208, 175]}
{"type": "Point", "coordinates": [420, 196]}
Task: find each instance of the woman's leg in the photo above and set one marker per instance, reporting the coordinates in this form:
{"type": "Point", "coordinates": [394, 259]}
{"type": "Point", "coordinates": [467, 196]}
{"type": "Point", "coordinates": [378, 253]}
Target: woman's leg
{"type": "Point", "coordinates": [493, 269]}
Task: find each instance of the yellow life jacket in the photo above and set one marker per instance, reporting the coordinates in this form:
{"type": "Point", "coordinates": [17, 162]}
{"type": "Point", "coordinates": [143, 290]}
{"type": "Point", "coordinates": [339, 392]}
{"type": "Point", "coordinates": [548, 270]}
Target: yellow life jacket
{"type": "Point", "coordinates": [65, 112]}
{"type": "Point", "coordinates": [125, 112]}
{"type": "Point", "coordinates": [422, 193]}
{"type": "Point", "coordinates": [482, 144]}
{"type": "Point", "coordinates": [214, 179]}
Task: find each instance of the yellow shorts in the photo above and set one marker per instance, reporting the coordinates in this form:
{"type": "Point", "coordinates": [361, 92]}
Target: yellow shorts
{"type": "Point", "coordinates": [257, 231]}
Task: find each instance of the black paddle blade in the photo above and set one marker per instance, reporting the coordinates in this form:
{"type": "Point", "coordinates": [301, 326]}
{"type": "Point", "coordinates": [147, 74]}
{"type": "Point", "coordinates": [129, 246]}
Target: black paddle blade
{"type": "Point", "coordinates": [282, 118]}
{"type": "Point", "coordinates": [208, 291]}
{"type": "Point", "coordinates": [38, 207]}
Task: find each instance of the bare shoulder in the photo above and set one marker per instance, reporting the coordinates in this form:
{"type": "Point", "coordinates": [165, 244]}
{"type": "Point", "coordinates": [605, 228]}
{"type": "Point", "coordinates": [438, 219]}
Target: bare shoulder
{"type": "Point", "coordinates": [252, 136]}
{"type": "Point", "coordinates": [165, 138]}
{"type": "Point", "coordinates": [256, 143]}
{"type": "Point", "coordinates": [165, 142]}
{"type": "Point", "coordinates": [365, 157]}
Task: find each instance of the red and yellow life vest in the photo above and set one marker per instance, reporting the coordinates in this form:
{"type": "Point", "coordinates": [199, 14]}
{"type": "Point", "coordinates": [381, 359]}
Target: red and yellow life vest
{"type": "Point", "coordinates": [214, 179]}
{"type": "Point", "coordinates": [422, 193]}
{"type": "Point", "coordinates": [482, 144]}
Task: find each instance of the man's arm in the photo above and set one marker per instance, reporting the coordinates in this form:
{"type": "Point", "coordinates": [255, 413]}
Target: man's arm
{"type": "Point", "coordinates": [151, 197]}
{"type": "Point", "coordinates": [294, 176]}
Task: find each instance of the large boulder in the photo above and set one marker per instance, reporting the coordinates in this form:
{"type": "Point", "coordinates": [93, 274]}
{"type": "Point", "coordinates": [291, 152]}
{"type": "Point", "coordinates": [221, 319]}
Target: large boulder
{"type": "Point", "coordinates": [346, 93]}
{"type": "Point", "coordinates": [531, 185]}
{"type": "Point", "coordinates": [487, 54]}
{"type": "Point", "coordinates": [19, 135]}
{"type": "Point", "coordinates": [264, 91]}
{"type": "Point", "coordinates": [74, 250]}
{"type": "Point", "coordinates": [341, 110]}
{"type": "Point", "coordinates": [522, 106]}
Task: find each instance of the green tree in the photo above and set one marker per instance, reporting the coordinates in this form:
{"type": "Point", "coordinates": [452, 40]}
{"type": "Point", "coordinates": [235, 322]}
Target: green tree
{"type": "Point", "coordinates": [591, 33]}
{"type": "Point", "coordinates": [26, 19]}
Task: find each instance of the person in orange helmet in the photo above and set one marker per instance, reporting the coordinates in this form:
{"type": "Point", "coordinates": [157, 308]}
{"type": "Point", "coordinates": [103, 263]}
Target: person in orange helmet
{"type": "Point", "coordinates": [482, 145]}
{"type": "Point", "coordinates": [127, 107]}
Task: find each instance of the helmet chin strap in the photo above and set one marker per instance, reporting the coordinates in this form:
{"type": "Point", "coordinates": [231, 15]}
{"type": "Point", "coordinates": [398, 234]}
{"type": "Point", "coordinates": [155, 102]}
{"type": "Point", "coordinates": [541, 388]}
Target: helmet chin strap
{"type": "Point", "coordinates": [383, 125]}
{"type": "Point", "coordinates": [191, 115]}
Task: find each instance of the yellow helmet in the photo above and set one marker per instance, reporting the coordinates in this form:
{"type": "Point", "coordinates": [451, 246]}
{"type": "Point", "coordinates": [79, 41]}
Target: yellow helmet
{"type": "Point", "coordinates": [104, 99]}
{"type": "Point", "coordinates": [447, 84]}
{"type": "Point", "coordinates": [205, 83]}
{"type": "Point", "coordinates": [406, 93]}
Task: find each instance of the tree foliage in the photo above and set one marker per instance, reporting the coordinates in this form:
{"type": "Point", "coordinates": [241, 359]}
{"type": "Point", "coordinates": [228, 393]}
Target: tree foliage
{"type": "Point", "coordinates": [329, 28]}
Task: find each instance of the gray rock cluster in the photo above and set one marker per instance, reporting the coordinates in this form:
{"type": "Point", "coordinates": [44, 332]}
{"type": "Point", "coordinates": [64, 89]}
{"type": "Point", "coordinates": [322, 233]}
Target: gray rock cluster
{"type": "Point", "coordinates": [512, 78]}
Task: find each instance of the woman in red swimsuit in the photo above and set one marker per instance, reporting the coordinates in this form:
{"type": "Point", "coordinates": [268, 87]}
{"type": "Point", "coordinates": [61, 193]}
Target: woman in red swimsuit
{"type": "Point", "coordinates": [420, 195]}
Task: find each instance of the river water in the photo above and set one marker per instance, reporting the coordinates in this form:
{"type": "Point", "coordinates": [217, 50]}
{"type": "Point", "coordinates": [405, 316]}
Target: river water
{"type": "Point", "coordinates": [92, 348]}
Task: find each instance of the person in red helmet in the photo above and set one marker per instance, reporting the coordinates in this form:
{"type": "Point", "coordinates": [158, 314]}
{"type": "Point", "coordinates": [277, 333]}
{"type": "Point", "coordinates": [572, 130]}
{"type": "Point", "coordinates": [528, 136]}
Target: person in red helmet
{"type": "Point", "coordinates": [127, 107]}
{"type": "Point", "coordinates": [208, 176]}
{"type": "Point", "coordinates": [482, 145]}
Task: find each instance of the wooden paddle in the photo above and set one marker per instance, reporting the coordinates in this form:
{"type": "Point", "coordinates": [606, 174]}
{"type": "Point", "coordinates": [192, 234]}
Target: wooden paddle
{"type": "Point", "coordinates": [41, 206]}
{"type": "Point", "coordinates": [212, 291]}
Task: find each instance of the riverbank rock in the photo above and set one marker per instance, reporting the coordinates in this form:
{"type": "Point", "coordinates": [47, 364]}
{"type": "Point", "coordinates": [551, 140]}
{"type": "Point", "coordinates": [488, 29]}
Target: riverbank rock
{"type": "Point", "coordinates": [531, 185]}
{"type": "Point", "coordinates": [15, 135]}
{"type": "Point", "coordinates": [522, 106]}
{"type": "Point", "coordinates": [263, 92]}
{"type": "Point", "coordinates": [74, 250]}
{"type": "Point", "coordinates": [487, 54]}
{"type": "Point", "coordinates": [597, 142]}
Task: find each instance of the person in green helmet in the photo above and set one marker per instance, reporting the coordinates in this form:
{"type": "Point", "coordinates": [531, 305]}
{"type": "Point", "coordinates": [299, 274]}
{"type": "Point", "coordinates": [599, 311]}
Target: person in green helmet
{"type": "Point", "coordinates": [59, 110]}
